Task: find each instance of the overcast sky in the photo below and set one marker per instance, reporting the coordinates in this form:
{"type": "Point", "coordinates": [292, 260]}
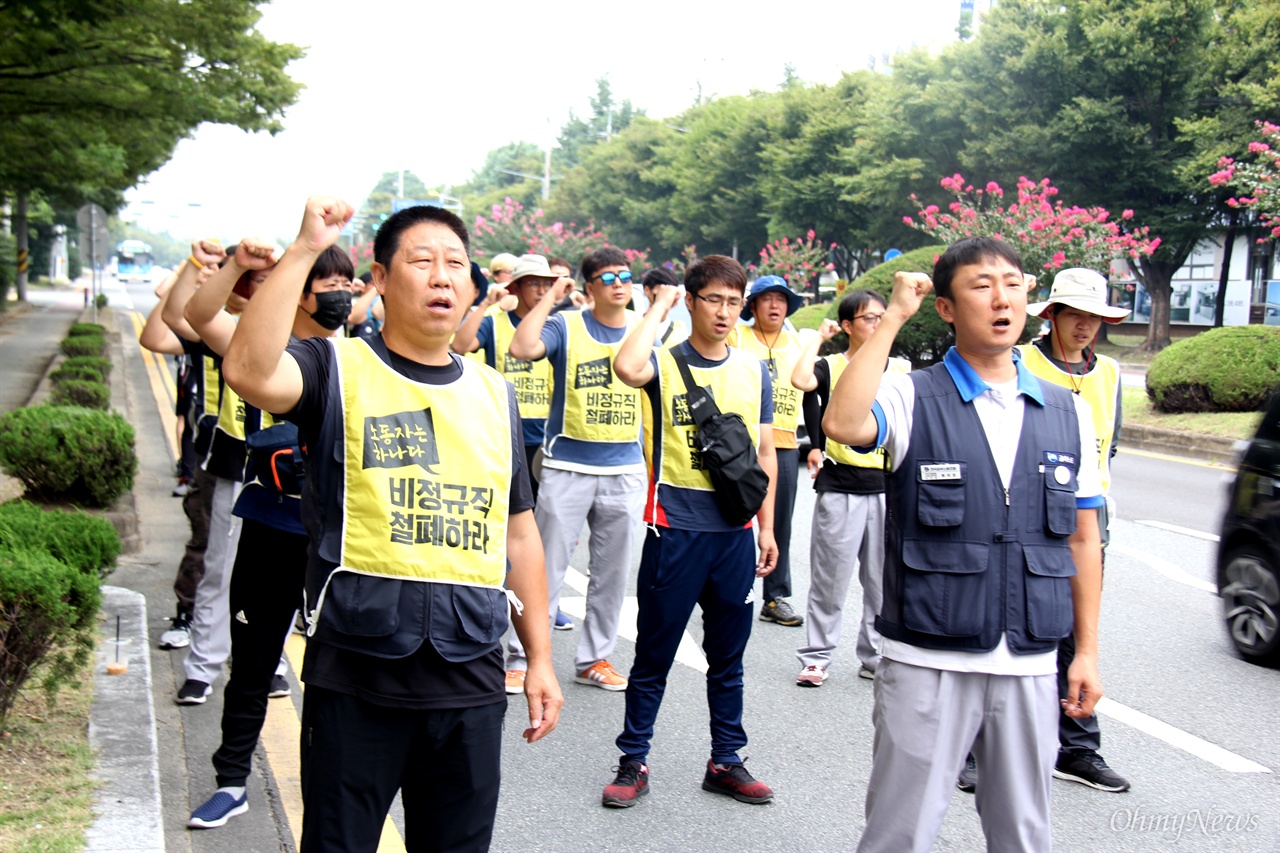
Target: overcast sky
{"type": "Point", "coordinates": [432, 87]}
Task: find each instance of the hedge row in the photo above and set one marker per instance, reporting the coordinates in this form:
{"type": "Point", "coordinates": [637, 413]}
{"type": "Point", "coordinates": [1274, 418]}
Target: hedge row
{"type": "Point", "coordinates": [1231, 369]}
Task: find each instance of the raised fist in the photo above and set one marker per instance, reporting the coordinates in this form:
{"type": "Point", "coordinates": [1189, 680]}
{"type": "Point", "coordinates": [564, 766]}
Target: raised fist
{"type": "Point", "coordinates": [828, 330]}
{"type": "Point", "coordinates": [255, 253]}
{"type": "Point", "coordinates": [323, 221]}
{"type": "Point", "coordinates": [909, 291]}
{"type": "Point", "coordinates": [207, 252]}
{"type": "Point", "coordinates": [665, 297]}
{"type": "Point", "coordinates": [563, 287]}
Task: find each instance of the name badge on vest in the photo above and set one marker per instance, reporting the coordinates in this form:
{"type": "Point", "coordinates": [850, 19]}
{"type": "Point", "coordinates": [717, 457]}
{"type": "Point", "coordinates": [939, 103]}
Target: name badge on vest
{"type": "Point", "coordinates": [1062, 464]}
{"type": "Point", "coordinates": [934, 472]}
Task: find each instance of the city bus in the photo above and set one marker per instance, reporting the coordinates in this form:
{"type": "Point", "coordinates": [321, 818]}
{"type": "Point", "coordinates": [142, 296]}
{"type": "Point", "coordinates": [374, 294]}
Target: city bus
{"type": "Point", "coordinates": [133, 261]}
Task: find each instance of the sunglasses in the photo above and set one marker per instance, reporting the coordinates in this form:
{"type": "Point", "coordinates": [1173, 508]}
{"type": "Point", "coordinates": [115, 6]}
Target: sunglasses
{"type": "Point", "coordinates": [609, 279]}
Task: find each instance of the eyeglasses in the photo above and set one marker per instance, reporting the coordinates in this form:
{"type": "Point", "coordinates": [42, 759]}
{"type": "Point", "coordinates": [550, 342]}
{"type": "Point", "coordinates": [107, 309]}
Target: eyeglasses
{"type": "Point", "coordinates": [870, 319]}
{"type": "Point", "coordinates": [609, 279]}
{"type": "Point", "coordinates": [718, 301]}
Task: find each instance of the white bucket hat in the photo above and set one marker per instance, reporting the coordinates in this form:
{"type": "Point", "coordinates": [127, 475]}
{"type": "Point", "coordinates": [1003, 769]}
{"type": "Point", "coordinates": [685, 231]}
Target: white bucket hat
{"type": "Point", "coordinates": [1083, 290]}
{"type": "Point", "coordinates": [531, 265]}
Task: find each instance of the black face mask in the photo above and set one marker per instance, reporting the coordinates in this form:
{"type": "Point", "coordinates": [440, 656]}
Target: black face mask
{"type": "Point", "coordinates": [332, 309]}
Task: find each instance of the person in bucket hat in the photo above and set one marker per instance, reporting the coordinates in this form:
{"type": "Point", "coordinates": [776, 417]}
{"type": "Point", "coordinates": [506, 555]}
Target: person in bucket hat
{"type": "Point", "coordinates": [770, 301]}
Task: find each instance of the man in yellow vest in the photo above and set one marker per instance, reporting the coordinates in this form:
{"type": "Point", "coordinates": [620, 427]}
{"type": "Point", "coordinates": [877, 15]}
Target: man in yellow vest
{"type": "Point", "coordinates": [418, 509]}
{"type": "Point", "coordinates": [692, 553]}
{"type": "Point", "coordinates": [1076, 308]}
{"type": "Point", "coordinates": [770, 302]}
{"type": "Point", "coordinates": [593, 464]}
{"type": "Point", "coordinates": [848, 513]}
{"type": "Point", "coordinates": [491, 333]}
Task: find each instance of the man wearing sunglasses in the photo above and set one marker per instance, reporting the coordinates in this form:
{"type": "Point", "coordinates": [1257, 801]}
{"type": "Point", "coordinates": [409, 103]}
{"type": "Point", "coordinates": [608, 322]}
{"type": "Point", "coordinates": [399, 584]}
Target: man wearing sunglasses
{"type": "Point", "coordinates": [593, 465]}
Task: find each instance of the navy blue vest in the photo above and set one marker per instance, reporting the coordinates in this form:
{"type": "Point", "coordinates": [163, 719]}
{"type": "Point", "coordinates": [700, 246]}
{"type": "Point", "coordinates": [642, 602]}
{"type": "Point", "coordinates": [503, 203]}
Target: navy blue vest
{"type": "Point", "coordinates": [964, 560]}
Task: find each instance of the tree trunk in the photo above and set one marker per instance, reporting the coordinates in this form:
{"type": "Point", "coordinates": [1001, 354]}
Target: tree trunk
{"type": "Point", "coordinates": [24, 255]}
{"type": "Point", "coordinates": [1221, 307]}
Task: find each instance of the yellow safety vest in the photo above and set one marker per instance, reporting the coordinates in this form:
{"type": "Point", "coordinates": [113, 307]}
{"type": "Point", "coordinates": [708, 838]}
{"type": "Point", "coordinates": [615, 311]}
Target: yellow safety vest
{"type": "Point", "coordinates": [735, 385]}
{"type": "Point", "coordinates": [1098, 387]}
{"type": "Point", "coordinates": [212, 384]}
{"type": "Point", "coordinates": [427, 472]}
{"type": "Point", "coordinates": [598, 406]}
{"type": "Point", "coordinates": [532, 379]}
{"type": "Point", "coordinates": [843, 453]}
{"type": "Point", "coordinates": [781, 359]}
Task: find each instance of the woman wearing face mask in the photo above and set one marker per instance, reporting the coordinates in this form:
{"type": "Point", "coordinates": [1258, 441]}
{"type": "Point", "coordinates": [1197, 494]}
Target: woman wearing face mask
{"type": "Point", "coordinates": [327, 298]}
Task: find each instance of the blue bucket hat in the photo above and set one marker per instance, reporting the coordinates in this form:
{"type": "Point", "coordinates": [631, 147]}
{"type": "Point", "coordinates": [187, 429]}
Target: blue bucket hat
{"type": "Point", "coordinates": [771, 284]}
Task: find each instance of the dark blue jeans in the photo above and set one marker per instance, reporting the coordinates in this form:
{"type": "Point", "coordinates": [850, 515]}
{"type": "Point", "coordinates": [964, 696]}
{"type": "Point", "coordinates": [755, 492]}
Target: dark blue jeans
{"type": "Point", "coordinates": [678, 569]}
{"type": "Point", "coordinates": [777, 584]}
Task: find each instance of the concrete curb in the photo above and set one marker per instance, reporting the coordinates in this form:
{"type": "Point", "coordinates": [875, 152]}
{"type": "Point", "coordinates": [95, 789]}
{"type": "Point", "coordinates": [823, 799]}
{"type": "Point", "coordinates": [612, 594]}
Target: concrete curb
{"type": "Point", "coordinates": [1207, 448]}
{"type": "Point", "coordinates": [122, 732]}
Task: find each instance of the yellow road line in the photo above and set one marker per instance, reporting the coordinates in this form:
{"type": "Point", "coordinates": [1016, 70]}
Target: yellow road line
{"type": "Point", "coordinates": [281, 740]}
{"type": "Point", "coordinates": [162, 389]}
{"type": "Point", "coordinates": [1216, 466]}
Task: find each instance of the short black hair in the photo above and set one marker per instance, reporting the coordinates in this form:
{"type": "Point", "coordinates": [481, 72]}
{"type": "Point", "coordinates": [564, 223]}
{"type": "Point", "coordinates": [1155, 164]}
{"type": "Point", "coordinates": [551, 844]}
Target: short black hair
{"type": "Point", "coordinates": [721, 268]}
{"type": "Point", "coordinates": [332, 261]}
{"type": "Point", "coordinates": [659, 276]}
{"type": "Point", "coordinates": [855, 302]}
{"type": "Point", "coordinates": [559, 262]}
{"type": "Point", "coordinates": [609, 256]}
{"type": "Point", "coordinates": [388, 239]}
{"type": "Point", "coordinates": [970, 250]}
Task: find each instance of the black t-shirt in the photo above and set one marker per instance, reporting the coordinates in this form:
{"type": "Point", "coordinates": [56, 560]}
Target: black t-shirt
{"type": "Point", "coordinates": [423, 679]}
{"type": "Point", "coordinates": [834, 476]}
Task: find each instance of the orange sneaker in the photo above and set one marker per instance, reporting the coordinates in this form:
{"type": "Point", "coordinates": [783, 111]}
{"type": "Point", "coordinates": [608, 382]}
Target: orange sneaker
{"type": "Point", "coordinates": [515, 681]}
{"type": "Point", "coordinates": [602, 674]}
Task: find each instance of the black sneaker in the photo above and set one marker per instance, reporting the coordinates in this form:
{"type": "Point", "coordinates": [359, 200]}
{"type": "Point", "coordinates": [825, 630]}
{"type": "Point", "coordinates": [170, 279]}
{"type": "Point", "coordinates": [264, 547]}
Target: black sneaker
{"type": "Point", "coordinates": [279, 687]}
{"type": "Point", "coordinates": [968, 781]}
{"type": "Point", "coordinates": [193, 692]}
{"type": "Point", "coordinates": [779, 611]}
{"type": "Point", "coordinates": [1088, 768]}
{"type": "Point", "coordinates": [631, 783]}
{"type": "Point", "coordinates": [734, 781]}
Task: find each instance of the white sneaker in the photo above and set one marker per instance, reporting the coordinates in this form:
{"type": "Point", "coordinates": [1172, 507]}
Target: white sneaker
{"type": "Point", "coordinates": [812, 676]}
{"type": "Point", "coordinates": [178, 634]}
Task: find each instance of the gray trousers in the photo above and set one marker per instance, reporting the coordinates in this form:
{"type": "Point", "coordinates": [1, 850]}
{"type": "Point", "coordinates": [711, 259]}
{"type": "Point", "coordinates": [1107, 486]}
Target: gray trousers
{"type": "Point", "coordinates": [926, 721]}
{"type": "Point", "coordinates": [848, 533]}
{"type": "Point", "coordinates": [611, 504]}
{"type": "Point", "coordinates": [211, 618]}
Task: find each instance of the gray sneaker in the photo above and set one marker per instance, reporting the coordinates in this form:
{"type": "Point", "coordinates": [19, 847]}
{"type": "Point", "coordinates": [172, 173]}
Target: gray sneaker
{"type": "Point", "coordinates": [780, 611]}
{"type": "Point", "coordinates": [178, 634]}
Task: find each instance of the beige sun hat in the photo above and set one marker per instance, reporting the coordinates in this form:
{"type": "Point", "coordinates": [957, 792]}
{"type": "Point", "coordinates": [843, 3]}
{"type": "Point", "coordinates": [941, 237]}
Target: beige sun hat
{"type": "Point", "coordinates": [1083, 290]}
{"type": "Point", "coordinates": [532, 265]}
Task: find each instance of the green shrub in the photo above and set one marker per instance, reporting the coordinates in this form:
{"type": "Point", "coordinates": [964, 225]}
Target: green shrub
{"type": "Point", "coordinates": [96, 363]}
{"type": "Point", "coordinates": [85, 542]}
{"type": "Point", "coordinates": [87, 329]}
{"type": "Point", "coordinates": [1232, 369]}
{"type": "Point", "coordinates": [94, 345]}
{"type": "Point", "coordinates": [75, 374]}
{"type": "Point", "coordinates": [101, 300]}
{"type": "Point", "coordinates": [74, 392]}
{"type": "Point", "coordinates": [47, 611]}
{"type": "Point", "coordinates": [66, 453]}
{"type": "Point", "coordinates": [925, 338]}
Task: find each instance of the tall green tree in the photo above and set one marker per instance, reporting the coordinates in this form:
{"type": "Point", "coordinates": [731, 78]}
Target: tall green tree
{"type": "Point", "coordinates": [1119, 101]}
{"type": "Point", "coordinates": [608, 118]}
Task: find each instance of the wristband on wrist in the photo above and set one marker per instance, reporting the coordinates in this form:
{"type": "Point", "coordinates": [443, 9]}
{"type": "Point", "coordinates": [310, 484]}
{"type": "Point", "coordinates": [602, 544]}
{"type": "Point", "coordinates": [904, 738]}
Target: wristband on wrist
{"type": "Point", "coordinates": [193, 260]}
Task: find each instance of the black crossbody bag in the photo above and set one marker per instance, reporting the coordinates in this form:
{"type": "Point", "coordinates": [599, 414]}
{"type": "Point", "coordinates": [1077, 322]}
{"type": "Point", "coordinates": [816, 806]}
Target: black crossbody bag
{"type": "Point", "coordinates": [727, 452]}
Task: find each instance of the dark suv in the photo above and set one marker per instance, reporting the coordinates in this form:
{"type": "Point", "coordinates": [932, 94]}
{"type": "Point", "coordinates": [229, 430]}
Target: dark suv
{"type": "Point", "coordinates": [1249, 550]}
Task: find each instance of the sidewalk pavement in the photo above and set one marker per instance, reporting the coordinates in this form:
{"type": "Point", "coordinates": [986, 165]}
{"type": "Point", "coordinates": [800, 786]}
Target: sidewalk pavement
{"type": "Point", "coordinates": [135, 725]}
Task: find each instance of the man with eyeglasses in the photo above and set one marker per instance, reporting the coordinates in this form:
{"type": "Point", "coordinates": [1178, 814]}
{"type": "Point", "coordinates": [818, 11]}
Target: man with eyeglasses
{"type": "Point", "coordinates": [593, 464]}
{"type": "Point", "coordinates": [770, 302]}
{"type": "Point", "coordinates": [692, 553]}
{"type": "Point", "coordinates": [488, 331]}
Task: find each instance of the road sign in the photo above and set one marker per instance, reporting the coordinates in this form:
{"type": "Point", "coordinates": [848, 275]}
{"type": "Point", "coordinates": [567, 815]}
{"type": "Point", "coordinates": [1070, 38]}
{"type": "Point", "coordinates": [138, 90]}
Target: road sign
{"type": "Point", "coordinates": [95, 241]}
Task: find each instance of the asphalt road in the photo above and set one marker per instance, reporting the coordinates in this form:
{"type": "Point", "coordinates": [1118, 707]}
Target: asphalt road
{"type": "Point", "coordinates": [1188, 723]}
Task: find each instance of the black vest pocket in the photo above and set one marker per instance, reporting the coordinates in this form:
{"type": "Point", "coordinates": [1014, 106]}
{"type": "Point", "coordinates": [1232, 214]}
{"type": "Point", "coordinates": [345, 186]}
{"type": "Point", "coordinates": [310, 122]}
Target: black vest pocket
{"type": "Point", "coordinates": [940, 502]}
{"type": "Point", "coordinates": [1050, 615]}
{"type": "Point", "coordinates": [480, 613]}
{"type": "Point", "coordinates": [1060, 504]}
{"type": "Point", "coordinates": [944, 587]}
{"type": "Point", "coordinates": [361, 606]}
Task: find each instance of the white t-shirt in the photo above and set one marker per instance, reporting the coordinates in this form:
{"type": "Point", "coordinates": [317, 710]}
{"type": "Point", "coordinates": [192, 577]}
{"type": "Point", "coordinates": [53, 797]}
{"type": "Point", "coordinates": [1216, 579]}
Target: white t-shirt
{"type": "Point", "coordinates": [1000, 409]}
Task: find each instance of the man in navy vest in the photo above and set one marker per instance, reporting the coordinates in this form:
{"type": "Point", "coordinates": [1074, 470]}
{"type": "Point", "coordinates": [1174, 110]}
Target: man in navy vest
{"type": "Point", "coordinates": [992, 555]}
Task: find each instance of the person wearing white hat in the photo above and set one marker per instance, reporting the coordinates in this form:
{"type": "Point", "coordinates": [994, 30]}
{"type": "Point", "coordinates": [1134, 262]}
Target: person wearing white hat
{"type": "Point", "coordinates": [1076, 308]}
